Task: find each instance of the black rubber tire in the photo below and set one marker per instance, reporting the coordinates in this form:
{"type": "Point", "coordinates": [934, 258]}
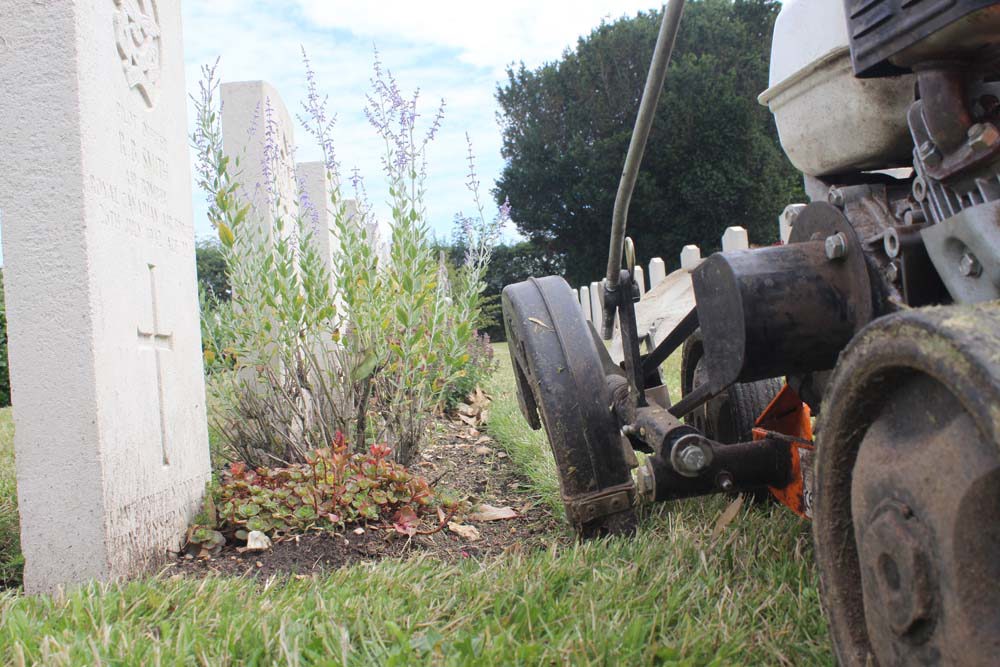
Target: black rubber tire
{"type": "Point", "coordinates": [909, 431]}
{"type": "Point", "coordinates": [562, 388]}
{"type": "Point", "coordinates": [729, 417]}
{"type": "Point", "coordinates": [736, 409]}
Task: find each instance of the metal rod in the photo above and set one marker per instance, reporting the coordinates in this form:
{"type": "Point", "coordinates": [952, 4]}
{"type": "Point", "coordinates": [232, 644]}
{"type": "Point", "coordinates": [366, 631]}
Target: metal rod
{"type": "Point", "coordinates": [643, 122]}
{"type": "Point", "coordinates": [669, 345]}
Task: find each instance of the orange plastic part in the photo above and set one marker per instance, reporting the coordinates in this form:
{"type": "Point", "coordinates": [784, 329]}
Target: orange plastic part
{"type": "Point", "coordinates": [789, 416]}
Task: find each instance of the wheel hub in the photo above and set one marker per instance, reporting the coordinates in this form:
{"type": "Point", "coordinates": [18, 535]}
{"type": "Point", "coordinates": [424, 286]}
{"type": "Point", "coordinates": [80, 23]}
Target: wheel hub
{"type": "Point", "coordinates": [897, 570]}
{"type": "Point", "coordinates": [907, 511]}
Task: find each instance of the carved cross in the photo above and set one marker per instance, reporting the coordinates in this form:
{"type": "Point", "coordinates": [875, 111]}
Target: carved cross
{"type": "Point", "coordinates": [158, 342]}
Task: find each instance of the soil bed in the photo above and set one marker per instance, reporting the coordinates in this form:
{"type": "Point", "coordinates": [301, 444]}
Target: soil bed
{"type": "Point", "coordinates": [465, 462]}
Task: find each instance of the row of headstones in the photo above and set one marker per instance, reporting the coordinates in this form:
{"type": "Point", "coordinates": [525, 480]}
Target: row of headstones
{"type": "Point", "coordinates": [257, 127]}
{"type": "Point", "coordinates": [734, 238]}
{"type": "Point", "coordinates": [104, 341]}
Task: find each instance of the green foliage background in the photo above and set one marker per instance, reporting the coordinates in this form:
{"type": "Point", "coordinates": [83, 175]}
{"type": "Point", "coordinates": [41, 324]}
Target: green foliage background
{"type": "Point", "coordinates": [713, 158]}
{"type": "Point", "coordinates": [211, 265]}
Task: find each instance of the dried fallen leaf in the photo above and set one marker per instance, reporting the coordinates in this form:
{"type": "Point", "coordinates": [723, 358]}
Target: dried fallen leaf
{"type": "Point", "coordinates": [467, 410]}
{"type": "Point", "coordinates": [490, 513]}
{"type": "Point", "coordinates": [539, 323]}
{"type": "Point", "coordinates": [483, 451]}
{"type": "Point", "coordinates": [470, 533]}
{"type": "Point", "coordinates": [727, 516]}
{"type": "Point", "coordinates": [359, 531]}
{"type": "Point", "coordinates": [471, 421]}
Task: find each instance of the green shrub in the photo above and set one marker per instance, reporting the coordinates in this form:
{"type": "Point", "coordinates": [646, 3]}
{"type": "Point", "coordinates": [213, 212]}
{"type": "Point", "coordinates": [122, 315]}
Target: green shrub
{"type": "Point", "coordinates": [373, 349]}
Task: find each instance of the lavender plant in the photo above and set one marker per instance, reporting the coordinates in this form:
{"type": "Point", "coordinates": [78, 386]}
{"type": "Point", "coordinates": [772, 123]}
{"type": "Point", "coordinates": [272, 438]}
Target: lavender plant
{"type": "Point", "coordinates": [282, 324]}
{"type": "Point", "coordinates": [373, 356]}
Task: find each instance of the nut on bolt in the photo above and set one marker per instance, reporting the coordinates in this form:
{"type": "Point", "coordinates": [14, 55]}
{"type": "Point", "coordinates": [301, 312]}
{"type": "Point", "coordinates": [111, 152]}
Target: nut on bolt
{"type": "Point", "coordinates": [836, 246]}
{"type": "Point", "coordinates": [983, 136]}
{"type": "Point", "coordinates": [690, 455]}
{"type": "Point", "coordinates": [969, 266]}
{"type": "Point", "coordinates": [929, 153]}
{"type": "Point", "coordinates": [693, 458]}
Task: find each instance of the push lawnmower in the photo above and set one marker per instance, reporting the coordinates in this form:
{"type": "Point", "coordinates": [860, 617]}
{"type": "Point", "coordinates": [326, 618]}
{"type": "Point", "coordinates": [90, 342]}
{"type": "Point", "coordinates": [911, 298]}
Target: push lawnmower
{"type": "Point", "coordinates": [876, 324]}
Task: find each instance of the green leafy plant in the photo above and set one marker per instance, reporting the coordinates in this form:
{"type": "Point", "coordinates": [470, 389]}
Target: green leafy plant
{"type": "Point", "coordinates": [332, 489]}
{"type": "Point", "coordinates": [478, 369]}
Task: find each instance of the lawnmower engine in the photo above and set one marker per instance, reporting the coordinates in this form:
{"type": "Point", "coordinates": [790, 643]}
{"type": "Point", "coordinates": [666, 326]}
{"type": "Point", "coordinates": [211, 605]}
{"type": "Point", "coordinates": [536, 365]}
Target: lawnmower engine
{"type": "Point", "coordinates": [877, 323]}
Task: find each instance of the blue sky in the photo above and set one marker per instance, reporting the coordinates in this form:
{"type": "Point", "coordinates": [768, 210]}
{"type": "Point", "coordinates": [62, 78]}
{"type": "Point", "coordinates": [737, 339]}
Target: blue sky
{"type": "Point", "coordinates": [456, 51]}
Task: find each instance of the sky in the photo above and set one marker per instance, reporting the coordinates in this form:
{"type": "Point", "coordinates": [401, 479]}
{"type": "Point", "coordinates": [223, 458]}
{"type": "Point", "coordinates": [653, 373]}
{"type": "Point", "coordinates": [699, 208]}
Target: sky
{"type": "Point", "coordinates": [455, 51]}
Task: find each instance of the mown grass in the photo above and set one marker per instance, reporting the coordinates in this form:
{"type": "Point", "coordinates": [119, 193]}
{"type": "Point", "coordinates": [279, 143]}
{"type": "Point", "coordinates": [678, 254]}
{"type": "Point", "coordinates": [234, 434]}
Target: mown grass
{"type": "Point", "coordinates": [10, 538]}
{"type": "Point", "coordinates": [673, 595]}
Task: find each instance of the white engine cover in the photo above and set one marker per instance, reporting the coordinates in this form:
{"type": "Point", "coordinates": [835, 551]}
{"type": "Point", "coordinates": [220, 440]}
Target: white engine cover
{"type": "Point", "coordinates": [829, 121]}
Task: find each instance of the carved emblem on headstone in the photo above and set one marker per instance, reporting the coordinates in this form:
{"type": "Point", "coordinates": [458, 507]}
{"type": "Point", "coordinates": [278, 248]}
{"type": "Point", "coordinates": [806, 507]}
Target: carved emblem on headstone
{"type": "Point", "coordinates": [137, 34]}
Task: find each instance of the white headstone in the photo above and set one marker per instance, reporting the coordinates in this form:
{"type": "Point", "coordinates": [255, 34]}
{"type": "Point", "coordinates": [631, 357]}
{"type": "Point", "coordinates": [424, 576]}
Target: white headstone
{"type": "Point", "coordinates": [318, 208]}
{"type": "Point", "coordinates": [596, 307]}
{"type": "Point", "coordinates": [585, 302]}
{"type": "Point", "coordinates": [735, 238]}
{"type": "Point", "coordinates": [657, 272]}
{"type": "Point", "coordinates": [105, 349]}
{"type": "Point", "coordinates": [640, 279]}
{"type": "Point", "coordinates": [576, 294]}
{"type": "Point", "coordinates": [690, 257]}
{"type": "Point", "coordinates": [258, 131]}
{"type": "Point", "coordinates": [787, 219]}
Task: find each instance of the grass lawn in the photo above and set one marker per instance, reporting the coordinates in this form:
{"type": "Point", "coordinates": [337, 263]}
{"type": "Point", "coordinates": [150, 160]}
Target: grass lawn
{"type": "Point", "coordinates": [10, 539]}
{"type": "Point", "coordinates": [673, 595]}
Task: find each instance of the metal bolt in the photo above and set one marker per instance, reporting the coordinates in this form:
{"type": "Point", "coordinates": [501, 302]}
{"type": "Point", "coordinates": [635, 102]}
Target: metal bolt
{"type": "Point", "coordinates": [835, 197]}
{"type": "Point", "coordinates": [836, 246]}
{"type": "Point", "coordinates": [725, 482]}
{"type": "Point", "coordinates": [892, 272]}
{"type": "Point", "coordinates": [929, 153]}
{"type": "Point", "coordinates": [969, 266]}
{"type": "Point", "coordinates": [983, 136]}
{"type": "Point", "coordinates": [693, 458]}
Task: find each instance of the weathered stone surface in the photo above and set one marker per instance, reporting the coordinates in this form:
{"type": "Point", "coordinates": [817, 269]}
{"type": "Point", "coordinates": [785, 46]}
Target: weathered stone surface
{"type": "Point", "coordinates": [690, 257]}
{"type": "Point", "coordinates": [105, 348]}
{"type": "Point", "coordinates": [640, 279]}
{"type": "Point", "coordinates": [596, 307]}
{"type": "Point", "coordinates": [657, 272]}
{"type": "Point", "coordinates": [735, 238]}
{"type": "Point", "coordinates": [318, 209]}
{"type": "Point", "coordinates": [258, 131]}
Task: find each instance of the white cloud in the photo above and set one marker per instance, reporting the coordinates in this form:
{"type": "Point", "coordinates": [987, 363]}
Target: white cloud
{"type": "Point", "coordinates": [486, 34]}
{"type": "Point", "coordinates": [452, 50]}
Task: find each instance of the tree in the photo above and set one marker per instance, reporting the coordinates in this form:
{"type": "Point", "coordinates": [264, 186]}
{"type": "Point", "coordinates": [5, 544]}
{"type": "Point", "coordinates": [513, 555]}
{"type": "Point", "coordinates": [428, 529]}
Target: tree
{"type": "Point", "coordinates": [712, 160]}
{"type": "Point", "coordinates": [211, 266]}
